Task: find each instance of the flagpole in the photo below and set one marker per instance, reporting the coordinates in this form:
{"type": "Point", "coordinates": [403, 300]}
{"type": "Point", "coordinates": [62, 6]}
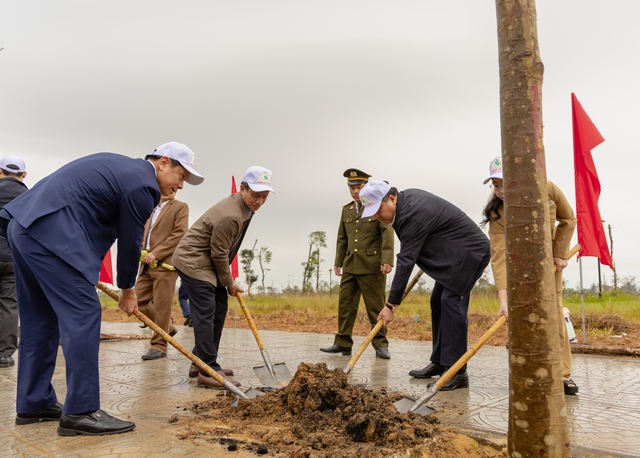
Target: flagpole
{"type": "Point", "coordinates": [584, 328]}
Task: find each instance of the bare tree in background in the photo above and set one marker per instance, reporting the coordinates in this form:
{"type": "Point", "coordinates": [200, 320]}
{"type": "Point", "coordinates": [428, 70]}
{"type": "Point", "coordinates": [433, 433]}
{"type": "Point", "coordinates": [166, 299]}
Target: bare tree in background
{"type": "Point", "coordinates": [537, 413]}
{"type": "Point", "coordinates": [317, 240]}
{"type": "Point", "coordinates": [264, 259]}
{"type": "Point", "coordinates": [246, 259]}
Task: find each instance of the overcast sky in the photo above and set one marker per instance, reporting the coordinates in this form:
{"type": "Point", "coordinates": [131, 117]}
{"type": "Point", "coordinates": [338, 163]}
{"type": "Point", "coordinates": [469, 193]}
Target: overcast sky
{"type": "Point", "coordinates": [406, 90]}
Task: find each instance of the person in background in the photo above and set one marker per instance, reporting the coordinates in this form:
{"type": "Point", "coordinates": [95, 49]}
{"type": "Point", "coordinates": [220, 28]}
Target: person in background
{"type": "Point", "coordinates": [183, 299]}
{"type": "Point", "coordinates": [364, 256]}
{"type": "Point", "coordinates": [449, 247]}
{"type": "Point", "coordinates": [156, 286]}
{"type": "Point", "coordinates": [12, 171]}
{"type": "Point", "coordinates": [58, 232]}
{"type": "Point", "coordinates": [563, 223]}
{"type": "Point", "coordinates": [203, 259]}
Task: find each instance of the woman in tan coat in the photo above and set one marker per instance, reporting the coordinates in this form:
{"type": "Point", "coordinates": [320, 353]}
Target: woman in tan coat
{"type": "Point", "coordinates": [563, 223]}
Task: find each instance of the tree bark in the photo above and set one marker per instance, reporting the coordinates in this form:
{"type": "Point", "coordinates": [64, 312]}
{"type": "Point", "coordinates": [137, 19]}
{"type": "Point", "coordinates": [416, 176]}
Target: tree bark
{"type": "Point", "coordinates": [537, 413]}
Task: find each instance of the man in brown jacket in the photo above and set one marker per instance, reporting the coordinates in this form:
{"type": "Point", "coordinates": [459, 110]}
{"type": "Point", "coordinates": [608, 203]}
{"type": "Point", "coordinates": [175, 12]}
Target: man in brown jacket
{"type": "Point", "coordinates": [156, 286]}
{"type": "Point", "coordinates": [202, 260]}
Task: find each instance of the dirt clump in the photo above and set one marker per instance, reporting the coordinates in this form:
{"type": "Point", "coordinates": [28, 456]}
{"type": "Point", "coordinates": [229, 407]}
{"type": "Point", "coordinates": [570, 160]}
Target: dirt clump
{"type": "Point", "coordinates": [319, 414]}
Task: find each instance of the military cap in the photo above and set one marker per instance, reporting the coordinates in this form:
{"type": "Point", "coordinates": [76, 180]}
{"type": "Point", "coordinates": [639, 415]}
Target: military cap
{"type": "Point", "coordinates": [355, 176]}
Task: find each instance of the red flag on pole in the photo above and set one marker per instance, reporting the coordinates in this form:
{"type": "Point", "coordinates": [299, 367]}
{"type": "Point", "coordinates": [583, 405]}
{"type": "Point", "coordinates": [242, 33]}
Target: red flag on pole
{"type": "Point", "coordinates": [591, 235]}
{"type": "Point", "coordinates": [234, 263]}
{"type": "Point", "coordinates": [106, 269]}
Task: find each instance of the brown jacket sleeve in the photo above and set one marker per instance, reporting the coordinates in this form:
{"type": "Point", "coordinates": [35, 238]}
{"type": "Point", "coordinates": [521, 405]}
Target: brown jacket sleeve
{"type": "Point", "coordinates": [498, 251]}
{"type": "Point", "coordinates": [561, 212]}
{"type": "Point", "coordinates": [178, 214]}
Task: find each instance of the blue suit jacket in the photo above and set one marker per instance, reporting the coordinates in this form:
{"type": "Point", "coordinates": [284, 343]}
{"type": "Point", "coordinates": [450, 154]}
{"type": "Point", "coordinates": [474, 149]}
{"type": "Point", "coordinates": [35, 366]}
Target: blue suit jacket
{"type": "Point", "coordinates": [78, 212]}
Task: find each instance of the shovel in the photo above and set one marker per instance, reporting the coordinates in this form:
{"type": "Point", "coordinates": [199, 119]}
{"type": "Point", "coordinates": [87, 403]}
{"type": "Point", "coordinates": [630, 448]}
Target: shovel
{"type": "Point", "coordinates": [354, 359]}
{"type": "Point", "coordinates": [250, 394]}
{"type": "Point", "coordinates": [405, 405]}
{"type": "Point", "coordinates": [272, 375]}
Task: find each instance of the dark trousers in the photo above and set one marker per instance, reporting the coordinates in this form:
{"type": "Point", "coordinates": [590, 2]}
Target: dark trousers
{"type": "Point", "coordinates": [183, 299]}
{"type": "Point", "coordinates": [57, 304]}
{"type": "Point", "coordinates": [371, 287]}
{"type": "Point", "coordinates": [209, 306]}
{"type": "Point", "coordinates": [449, 325]}
{"type": "Point", "coordinates": [8, 310]}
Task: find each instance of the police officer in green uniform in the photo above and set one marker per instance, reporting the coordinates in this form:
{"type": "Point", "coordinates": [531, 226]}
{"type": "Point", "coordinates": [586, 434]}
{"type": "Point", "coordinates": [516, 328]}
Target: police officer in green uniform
{"type": "Point", "coordinates": [364, 255]}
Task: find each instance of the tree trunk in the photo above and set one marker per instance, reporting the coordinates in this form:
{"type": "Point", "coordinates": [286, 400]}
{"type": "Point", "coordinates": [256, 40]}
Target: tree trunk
{"type": "Point", "coordinates": [537, 413]}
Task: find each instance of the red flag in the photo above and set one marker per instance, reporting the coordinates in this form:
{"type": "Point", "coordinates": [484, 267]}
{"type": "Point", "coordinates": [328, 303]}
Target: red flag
{"type": "Point", "coordinates": [591, 235]}
{"type": "Point", "coordinates": [106, 269]}
{"type": "Point", "coordinates": [234, 263]}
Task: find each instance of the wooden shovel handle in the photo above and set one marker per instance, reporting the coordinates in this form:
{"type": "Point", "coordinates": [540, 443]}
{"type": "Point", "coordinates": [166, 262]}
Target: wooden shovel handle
{"type": "Point", "coordinates": [250, 320]}
{"type": "Point", "coordinates": [178, 346]}
{"type": "Point", "coordinates": [377, 327]}
{"type": "Point", "coordinates": [470, 352]}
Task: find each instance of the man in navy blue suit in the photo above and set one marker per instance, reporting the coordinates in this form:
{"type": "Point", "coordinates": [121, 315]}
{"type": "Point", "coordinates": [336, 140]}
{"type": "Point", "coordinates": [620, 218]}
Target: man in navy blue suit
{"type": "Point", "coordinates": [58, 232]}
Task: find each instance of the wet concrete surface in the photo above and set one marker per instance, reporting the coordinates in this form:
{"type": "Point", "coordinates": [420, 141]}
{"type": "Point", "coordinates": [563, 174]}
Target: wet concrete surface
{"type": "Point", "coordinates": [604, 418]}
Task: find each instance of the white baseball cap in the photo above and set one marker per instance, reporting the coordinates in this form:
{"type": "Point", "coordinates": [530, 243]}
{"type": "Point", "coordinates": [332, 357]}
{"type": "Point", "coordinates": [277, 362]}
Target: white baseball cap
{"type": "Point", "coordinates": [13, 164]}
{"type": "Point", "coordinates": [182, 154]}
{"type": "Point", "coordinates": [371, 196]}
{"type": "Point", "coordinates": [495, 169]}
{"type": "Point", "coordinates": [258, 178]}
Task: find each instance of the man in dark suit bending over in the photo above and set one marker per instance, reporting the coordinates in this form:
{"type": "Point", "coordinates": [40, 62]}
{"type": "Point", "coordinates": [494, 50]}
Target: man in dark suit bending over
{"type": "Point", "coordinates": [58, 232]}
{"type": "Point", "coordinates": [448, 246]}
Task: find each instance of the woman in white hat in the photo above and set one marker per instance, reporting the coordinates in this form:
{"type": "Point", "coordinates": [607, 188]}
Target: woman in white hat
{"type": "Point", "coordinates": [563, 223]}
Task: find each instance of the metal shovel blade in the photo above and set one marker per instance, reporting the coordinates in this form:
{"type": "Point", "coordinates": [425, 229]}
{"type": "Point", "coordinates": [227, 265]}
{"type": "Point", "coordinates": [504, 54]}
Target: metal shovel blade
{"type": "Point", "coordinates": [405, 404]}
{"type": "Point", "coordinates": [251, 393]}
{"type": "Point", "coordinates": [278, 379]}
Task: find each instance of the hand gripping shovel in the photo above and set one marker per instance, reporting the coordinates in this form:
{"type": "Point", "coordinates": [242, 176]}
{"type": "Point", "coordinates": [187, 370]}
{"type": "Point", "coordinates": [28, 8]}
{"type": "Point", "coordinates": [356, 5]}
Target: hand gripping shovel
{"type": "Point", "coordinates": [250, 394]}
{"type": "Point", "coordinates": [272, 375]}
{"type": "Point", "coordinates": [405, 405]}
{"type": "Point", "coordinates": [354, 359]}
{"type": "Point", "coordinates": [154, 264]}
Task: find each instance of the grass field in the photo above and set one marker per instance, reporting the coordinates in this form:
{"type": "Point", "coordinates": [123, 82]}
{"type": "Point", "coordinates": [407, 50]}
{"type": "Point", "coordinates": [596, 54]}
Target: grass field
{"type": "Point", "coordinates": [605, 317]}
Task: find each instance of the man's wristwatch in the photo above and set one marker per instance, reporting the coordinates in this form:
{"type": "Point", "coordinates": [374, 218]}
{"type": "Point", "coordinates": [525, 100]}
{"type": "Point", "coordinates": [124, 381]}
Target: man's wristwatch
{"type": "Point", "coordinates": [391, 307]}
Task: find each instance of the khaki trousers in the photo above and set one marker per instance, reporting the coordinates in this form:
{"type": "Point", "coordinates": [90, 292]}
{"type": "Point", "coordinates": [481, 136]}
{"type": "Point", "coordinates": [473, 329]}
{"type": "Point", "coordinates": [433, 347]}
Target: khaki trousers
{"type": "Point", "coordinates": [565, 345]}
{"type": "Point", "coordinates": [156, 289]}
{"type": "Point", "coordinates": [371, 286]}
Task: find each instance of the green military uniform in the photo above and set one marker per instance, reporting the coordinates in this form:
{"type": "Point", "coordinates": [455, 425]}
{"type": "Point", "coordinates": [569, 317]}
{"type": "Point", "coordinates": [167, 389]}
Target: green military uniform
{"type": "Point", "coordinates": [363, 245]}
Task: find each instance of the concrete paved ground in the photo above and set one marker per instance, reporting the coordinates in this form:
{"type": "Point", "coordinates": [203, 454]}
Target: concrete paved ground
{"type": "Point", "coordinates": [604, 418]}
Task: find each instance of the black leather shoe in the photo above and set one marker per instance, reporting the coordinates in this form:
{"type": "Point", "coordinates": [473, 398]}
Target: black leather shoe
{"type": "Point", "coordinates": [570, 387]}
{"type": "Point", "coordinates": [153, 354]}
{"type": "Point", "coordinates": [346, 351]}
{"type": "Point", "coordinates": [6, 361]}
{"type": "Point", "coordinates": [187, 321]}
{"type": "Point", "coordinates": [98, 423]}
{"type": "Point", "coordinates": [383, 353]}
{"type": "Point", "coordinates": [174, 332]}
{"type": "Point", "coordinates": [429, 371]}
{"type": "Point", "coordinates": [51, 413]}
{"type": "Point", "coordinates": [460, 380]}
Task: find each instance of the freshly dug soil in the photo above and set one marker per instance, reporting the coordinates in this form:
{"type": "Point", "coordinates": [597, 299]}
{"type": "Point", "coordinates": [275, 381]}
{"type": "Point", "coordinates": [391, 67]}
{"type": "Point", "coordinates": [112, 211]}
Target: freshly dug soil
{"type": "Point", "coordinates": [319, 414]}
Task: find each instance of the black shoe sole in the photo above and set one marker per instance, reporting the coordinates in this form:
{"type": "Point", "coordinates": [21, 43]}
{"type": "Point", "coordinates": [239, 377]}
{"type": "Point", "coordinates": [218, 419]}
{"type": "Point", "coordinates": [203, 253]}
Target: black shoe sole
{"type": "Point", "coordinates": [29, 421]}
{"type": "Point", "coordinates": [76, 432]}
{"type": "Point", "coordinates": [424, 376]}
{"type": "Point", "coordinates": [455, 387]}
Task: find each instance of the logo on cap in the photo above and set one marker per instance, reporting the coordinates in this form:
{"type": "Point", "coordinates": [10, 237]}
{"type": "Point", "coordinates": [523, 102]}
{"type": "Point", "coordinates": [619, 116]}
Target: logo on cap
{"type": "Point", "coordinates": [366, 201]}
{"type": "Point", "coordinates": [192, 159]}
{"type": "Point", "coordinates": [264, 178]}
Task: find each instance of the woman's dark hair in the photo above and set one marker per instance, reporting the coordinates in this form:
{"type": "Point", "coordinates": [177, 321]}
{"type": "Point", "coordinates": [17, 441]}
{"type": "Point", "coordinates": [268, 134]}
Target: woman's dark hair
{"type": "Point", "coordinates": [490, 212]}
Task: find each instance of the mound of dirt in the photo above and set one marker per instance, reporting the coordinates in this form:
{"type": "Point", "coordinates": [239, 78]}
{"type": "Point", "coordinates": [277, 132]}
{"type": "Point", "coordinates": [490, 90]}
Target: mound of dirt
{"type": "Point", "coordinates": [319, 414]}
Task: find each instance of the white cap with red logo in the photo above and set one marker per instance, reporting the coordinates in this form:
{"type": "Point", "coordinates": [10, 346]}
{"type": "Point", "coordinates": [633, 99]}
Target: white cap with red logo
{"type": "Point", "coordinates": [495, 169]}
{"type": "Point", "coordinates": [258, 178]}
